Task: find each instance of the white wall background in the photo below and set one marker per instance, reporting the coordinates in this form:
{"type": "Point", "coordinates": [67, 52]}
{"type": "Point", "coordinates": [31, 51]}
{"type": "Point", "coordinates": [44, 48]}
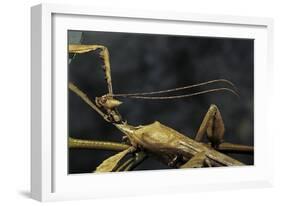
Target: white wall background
{"type": "Point", "coordinates": [15, 102]}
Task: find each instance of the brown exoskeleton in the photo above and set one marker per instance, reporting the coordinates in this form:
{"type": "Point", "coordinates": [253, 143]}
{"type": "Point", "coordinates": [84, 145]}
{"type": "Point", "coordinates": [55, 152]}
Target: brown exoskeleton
{"type": "Point", "coordinates": [172, 147]}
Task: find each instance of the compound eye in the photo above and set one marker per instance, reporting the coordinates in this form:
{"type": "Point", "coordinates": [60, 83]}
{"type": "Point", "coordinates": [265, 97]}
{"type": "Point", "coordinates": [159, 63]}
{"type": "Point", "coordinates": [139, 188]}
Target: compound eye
{"type": "Point", "coordinates": [100, 101]}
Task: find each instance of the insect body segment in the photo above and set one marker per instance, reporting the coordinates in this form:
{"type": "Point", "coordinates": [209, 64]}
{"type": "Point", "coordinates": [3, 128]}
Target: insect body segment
{"type": "Point", "coordinates": [158, 138]}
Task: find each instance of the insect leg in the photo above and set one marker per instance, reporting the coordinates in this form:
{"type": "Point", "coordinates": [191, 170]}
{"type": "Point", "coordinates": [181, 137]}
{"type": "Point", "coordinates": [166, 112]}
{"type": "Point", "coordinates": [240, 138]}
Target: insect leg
{"type": "Point", "coordinates": [87, 100]}
{"type": "Point", "coordinates": [197, 161]}
{"type": "Point", "coordinates": [111, 163]}
{"type": "Point", "coordinates": [75, 143]}
{"type": "Point", "coordinates": [213, 126]}
{"type": "Point", "coordinates": [104, 55]}
{"type": "Point", "coordinates": [124, 165]}
{"type": "Point", "coordinates": [133, 162]}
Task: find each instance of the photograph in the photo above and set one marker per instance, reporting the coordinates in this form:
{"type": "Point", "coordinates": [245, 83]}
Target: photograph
{"type": "Point", "coordinates": [142, 102]}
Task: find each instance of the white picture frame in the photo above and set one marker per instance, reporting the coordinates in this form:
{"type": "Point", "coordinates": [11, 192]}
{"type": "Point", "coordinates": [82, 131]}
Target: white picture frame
{"type": "Point", "coordinates": [49, 178]}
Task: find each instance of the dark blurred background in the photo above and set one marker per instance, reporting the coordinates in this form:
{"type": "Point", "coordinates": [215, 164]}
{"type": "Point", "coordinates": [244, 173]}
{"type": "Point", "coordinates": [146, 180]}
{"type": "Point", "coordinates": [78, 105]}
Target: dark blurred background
{"type": "Point", "coordinates": [145, 62]}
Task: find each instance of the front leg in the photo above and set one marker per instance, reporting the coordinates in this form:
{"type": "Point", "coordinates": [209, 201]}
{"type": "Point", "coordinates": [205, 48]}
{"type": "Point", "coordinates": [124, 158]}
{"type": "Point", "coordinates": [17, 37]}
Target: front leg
{"type": "Point", "coordinates": [197, 161]}
{"type": "Point", "coordinates": [104, 55]}
{"type": "Point", "coordinates": [213, 126]}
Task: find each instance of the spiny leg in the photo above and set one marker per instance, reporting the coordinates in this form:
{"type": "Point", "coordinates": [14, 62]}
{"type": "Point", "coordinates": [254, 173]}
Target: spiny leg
{"type": "Point", "coordinates": [104, 55]}
{"type": "Point", "coordinates": [213, 126]}
{"type": "Point", "coordinates": [106, 101]}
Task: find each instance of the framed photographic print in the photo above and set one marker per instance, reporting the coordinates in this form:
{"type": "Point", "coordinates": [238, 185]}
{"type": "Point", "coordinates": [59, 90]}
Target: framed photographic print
{"type": "Point", "coordinates": [134, 102]}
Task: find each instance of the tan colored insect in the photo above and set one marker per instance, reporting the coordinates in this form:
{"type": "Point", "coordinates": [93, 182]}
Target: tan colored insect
{"type": "Point", "coordinates": [173, 148]}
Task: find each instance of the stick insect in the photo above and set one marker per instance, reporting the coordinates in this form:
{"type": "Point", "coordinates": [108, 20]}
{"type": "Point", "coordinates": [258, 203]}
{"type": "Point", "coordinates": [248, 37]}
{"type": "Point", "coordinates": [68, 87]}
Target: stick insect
{"type": "Point", "coordinates": [170, 146]}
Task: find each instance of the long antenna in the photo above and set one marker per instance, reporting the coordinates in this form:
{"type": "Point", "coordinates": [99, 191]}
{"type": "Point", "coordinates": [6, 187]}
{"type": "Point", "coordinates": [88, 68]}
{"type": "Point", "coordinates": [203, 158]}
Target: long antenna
{"type": "Point", "coordinates": [176, 89]}
{"type": "Point", "coordinates": [182, 96]}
